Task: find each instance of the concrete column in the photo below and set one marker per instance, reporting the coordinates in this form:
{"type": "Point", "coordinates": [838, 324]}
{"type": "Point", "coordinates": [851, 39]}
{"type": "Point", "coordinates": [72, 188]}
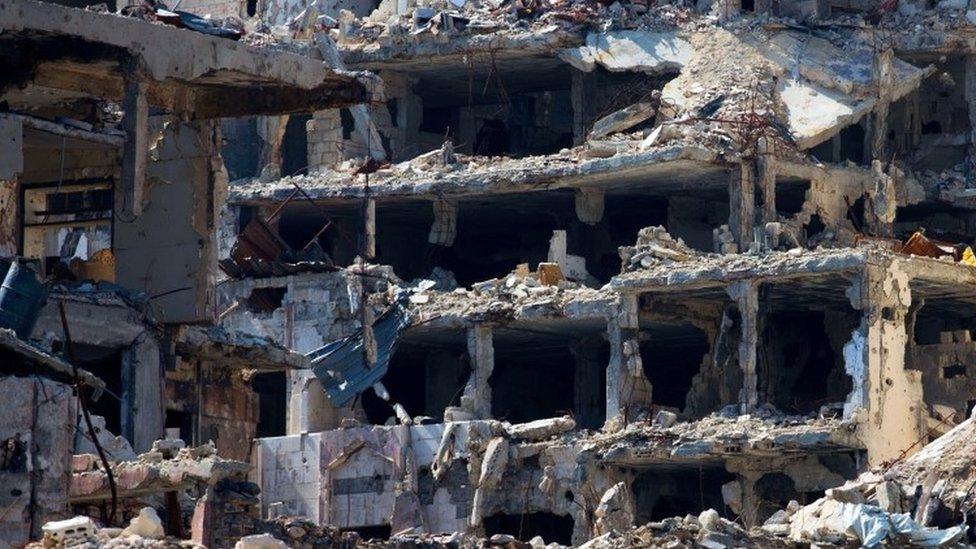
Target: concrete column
{"type": "Point", "coordinates": [879, 127]}
{"type": "Point", "coordinates": [880, 220]}
{"type": "Point", "coordinates": [9, 226]}
{"type": "Point", "coordinates": [746, 295]}
{"type": "Point", "coordinates": [587, 395]}
{"type": "Point", "coordinates": [766, 183]}
{"type": "Point", "coordinates": [477, 392]}
{"type": "Point", "coordinates": [271, 130]}
{"type": "Point", "coordinates": [142, 398]}
{"type": "Point", "coordinates": [971, 99]}
{"type": "Point", "coordinates": [742, 204]}
{"type": "Point", "coordinates": [309, 410]}
{"type": "Point", "coordinates": [129, 196]}
{"type": "Point", "coordinates": [884, 402]}
{"type": "Point", "coordinates": [369, 229]}
{"type": "Point", "coordinates": [628, 389]}
{"type": "Point", "coordinates": [443, 230]}
{"type": "Point", "coordinates": [11, 165]}
{"type": "Point", "coordinates": [583, 96]}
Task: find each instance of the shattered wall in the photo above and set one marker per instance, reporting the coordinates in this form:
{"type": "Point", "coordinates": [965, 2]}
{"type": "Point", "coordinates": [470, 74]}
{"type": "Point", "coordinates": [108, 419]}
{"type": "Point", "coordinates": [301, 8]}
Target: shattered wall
{"type": "Point", "coordinates": [421, 475]}
{"type": "Point", "coordinates": [36, 443]}
{"type": "Point", "coordinates": [219, 401]}
{"type": "Point", "coordinates": [107, 322]}
{"type": "Point", "coordinates": [169, 251]}
{"type": "Point", "coordinates": [890, 419]}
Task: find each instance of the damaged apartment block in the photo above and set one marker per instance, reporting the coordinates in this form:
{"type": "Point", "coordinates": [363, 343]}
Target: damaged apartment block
{"type": "Point", "coordinates": [476, 273]}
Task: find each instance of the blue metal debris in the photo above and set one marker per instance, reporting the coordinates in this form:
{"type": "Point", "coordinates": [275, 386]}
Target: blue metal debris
{"type": "Point", "coordinates": [22, 296]}
{"type": "Point", "coordinates": [340, 365]}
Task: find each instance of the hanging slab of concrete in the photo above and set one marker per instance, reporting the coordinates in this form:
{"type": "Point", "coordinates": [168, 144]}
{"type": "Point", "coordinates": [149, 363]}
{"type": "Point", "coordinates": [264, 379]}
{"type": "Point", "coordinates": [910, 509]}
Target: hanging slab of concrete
{"type": "Point", "coordinates": [630, 50]}
{"type": "Point", "coordinates": [815, 114]}
{"type": "Point", "coordinates": [851, 70]}
{"type": "Point", "coordinates": [826, 88]}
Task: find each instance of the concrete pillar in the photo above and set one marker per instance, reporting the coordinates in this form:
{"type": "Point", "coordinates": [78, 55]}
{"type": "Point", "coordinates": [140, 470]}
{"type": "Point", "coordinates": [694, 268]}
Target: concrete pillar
{"type": "Point", "coordinates": [201, 525]}
{"type": "Point", "coordinates": [583, 97]}
{"type": "Point", "coordinates": [880, 220]}
{"type": "Point", "coordinates": [11, 165]}
{"type": "Point", "coordinates": [9, 225]}
{"type": "Point", "coordinates": [129, 196]}
{"type": "Point", "coordinates": [885, 400]}
{"type": "Point", "coordinates": [746, 295]}
{"type": "Point", "coordinates": [628, 389]}
{"type": "Point", "coordinates": [142, 398]}
{"type": "Point", "coordinates": [879, 127]}
{"type": "Point", "coordinates": [589, 205]}
{"type": "Point", "coordinates": [477, 392]}
{"type": "Point", "coordinates": [443, 230]}
{"type": "Point", "coordinates": [309, 410]}
{"type": "Point", "coordinates": [742, 204]}
{"type": "Point", "coordinates": [971, 99]}
{"type": "Point", "coordinates": [271, 130]}
{"type": "Point", "coordinates": [369, 229]}
{"type": "Point", "coordinates": [587, 396]}
{"type": "Point", "coordinates": [766, 183]}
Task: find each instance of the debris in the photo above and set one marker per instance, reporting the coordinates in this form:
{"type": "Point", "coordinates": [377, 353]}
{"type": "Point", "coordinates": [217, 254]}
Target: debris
{"type": "Point", "coordinates": [541, 429]}
{"type": "Point", "coordinates": [146, 524]}
{"type": "Point", "coordinates": [630, 50]}
{"type": "Point", "coordinates": [71, 531]}
{"type": "Point", "coordinates": [21, 297]}
{"type": "Point", "coordinates": [919, 244]}
{"type": "Point", "coordinates": [260, 541]}
{"type": "Point", "coordinates": [615, 512]}
{"type": "Point", "coordinates": [340, 365]}
{"type": "Point", "coordinates": [624, 119]}
{"type": "Point", "coordinates": [550, 274]}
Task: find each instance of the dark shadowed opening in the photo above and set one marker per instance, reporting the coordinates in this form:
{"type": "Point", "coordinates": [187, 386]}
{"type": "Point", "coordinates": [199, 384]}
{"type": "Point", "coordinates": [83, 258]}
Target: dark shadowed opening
{"type": "Point", "coordinates": [549, 526]}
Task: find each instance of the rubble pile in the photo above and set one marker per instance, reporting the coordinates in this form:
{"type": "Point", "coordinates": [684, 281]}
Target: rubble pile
{"type": "Point", "coordinates": [441, 19]}
{"type": "Point", "coordinates": [707, 529]}
{"type": "Point", "coordinates": [925, 499]}
{"type": "Point", "coordinates": [763, 432]}
{"type": "Point", "coordinates": [145, 531]}
{"type": "Point", "coordinates": [168, 466]}
{"type": "Point", "coordinates": [655, 247]}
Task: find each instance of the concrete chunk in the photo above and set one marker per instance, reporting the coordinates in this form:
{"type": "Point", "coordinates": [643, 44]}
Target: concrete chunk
{"type": "Point", "coordinates": [630, 50]}
{"type": "Point", "coordinates": [623, 120]}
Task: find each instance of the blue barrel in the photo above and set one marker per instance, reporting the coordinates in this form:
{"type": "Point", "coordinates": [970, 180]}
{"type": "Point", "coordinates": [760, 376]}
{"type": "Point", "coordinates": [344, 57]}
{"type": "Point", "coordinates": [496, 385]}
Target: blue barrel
{"type": "Point", "coordinates": [21, 297]}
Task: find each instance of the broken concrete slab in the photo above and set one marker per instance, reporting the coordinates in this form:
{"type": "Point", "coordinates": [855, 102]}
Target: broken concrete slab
{"type": "Point", "coordinates": [630, 50]}
{"type": "Point", "coordinates": [624, 119]}
{"type": "Point", "coordinates": [815, 113]}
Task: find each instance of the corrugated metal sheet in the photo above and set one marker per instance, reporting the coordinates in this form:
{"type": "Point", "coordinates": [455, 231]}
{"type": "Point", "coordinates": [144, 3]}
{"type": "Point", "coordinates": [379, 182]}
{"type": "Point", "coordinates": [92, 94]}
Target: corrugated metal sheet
{"type": "Point", "coordinates": [340, 365]}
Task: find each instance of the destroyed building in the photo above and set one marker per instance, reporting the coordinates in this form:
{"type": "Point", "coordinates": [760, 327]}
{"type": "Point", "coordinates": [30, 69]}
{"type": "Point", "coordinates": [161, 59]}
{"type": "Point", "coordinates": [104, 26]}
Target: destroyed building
{"type": "Point", "coordinates": [500, 270]}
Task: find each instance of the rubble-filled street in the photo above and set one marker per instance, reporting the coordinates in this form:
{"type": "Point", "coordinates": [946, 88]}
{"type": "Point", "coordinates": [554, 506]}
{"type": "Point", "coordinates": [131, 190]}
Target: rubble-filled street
{"type": "Point", "coordinates": [497, 274]}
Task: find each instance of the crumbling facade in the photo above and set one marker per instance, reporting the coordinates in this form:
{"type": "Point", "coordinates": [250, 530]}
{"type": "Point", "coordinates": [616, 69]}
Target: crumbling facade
{"type": "Point", "coordinates": [523, 271]}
